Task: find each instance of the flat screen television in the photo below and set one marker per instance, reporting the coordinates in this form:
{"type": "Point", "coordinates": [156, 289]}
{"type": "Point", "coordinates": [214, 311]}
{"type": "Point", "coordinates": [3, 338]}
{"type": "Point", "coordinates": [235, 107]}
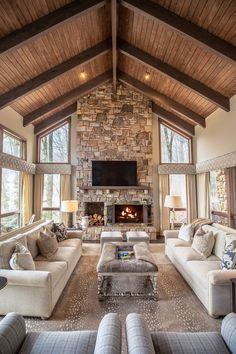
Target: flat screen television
{"type": "Point", "coordinates": [114, 173]}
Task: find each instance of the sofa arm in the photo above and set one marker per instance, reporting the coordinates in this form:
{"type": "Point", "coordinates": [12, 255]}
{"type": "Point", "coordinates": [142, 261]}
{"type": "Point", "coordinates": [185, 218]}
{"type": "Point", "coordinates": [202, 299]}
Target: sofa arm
{"type": "Point", "coordinates": [139, 340]}
{"type": "Point", "coordinates": [75, 234]}
{"type": "Point", "coordinates": [109, 335]}
{"type": "Point", "coordinates": [218, 277]}
{"type": "Point", "coordinates": [170, 234]}
{"type": "Point", "coordinates": [228, 331]}
{"type": "Point", "coordinates": [35, 278]}
{"type": "Point", "coordinates": [12, 333]}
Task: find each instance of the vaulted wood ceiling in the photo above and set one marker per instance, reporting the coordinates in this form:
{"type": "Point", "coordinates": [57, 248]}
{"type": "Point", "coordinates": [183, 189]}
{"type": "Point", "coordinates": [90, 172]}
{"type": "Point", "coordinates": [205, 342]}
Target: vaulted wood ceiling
{"type": "Point", "coordinates": [187, 47]}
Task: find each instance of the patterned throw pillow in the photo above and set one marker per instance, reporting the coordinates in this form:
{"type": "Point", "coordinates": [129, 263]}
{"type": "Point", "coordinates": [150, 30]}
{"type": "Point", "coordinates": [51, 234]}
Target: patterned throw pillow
{"type": "Point", "coordinates": [47, 244]}
{"type": "Point", "coordinates": [60, 231]}
{"type": "Point", "coordinates": [186, 233]}
{"type": "Point", "coordinates": [203, 242]}
{"type": "Point", "coordinates": [229, 255]}
{"type": "Point", "coordinates": [21, 258]}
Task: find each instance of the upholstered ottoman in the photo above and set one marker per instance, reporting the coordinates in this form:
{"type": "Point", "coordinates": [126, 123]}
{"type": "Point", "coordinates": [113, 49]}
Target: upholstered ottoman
{"type": "Point", "coordinates": [110, 236]}
{"type": "Point", "coordinates": [137, 236]}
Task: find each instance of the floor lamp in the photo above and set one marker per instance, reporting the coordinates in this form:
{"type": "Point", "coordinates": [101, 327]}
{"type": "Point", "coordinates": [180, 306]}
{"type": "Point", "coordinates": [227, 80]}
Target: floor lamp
{"type": "Point", "coordinates": [69, 206]}
{"type": "Point", "coordinates": [172, 202]}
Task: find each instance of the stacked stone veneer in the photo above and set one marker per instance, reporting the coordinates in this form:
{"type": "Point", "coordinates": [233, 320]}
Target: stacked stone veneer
{"type": "Point", "coordinates": [114, 127]}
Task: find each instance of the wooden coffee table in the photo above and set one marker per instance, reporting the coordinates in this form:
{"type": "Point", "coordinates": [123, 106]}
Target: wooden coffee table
{"type": "Point", "coordinates": [116, 268]}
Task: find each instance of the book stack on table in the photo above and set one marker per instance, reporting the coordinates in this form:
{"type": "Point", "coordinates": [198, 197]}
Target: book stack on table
{"type": "Point", "coordinates": [125, 255]}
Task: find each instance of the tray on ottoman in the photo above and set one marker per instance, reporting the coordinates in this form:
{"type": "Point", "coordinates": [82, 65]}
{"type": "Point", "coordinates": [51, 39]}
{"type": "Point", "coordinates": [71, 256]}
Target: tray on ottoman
{"type": "Point", "coordinates": [120, 265]}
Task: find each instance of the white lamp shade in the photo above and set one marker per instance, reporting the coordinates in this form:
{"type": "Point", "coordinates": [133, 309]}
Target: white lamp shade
{"type": "Point", "coordinates": [69, 206]}
{"type": "Point", "coordinates": [173, 201]}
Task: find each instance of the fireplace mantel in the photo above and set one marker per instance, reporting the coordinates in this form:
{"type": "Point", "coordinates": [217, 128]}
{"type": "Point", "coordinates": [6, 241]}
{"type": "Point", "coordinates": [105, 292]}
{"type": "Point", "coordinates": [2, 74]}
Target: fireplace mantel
{"type": "Point", "coordinates": [114, 187]}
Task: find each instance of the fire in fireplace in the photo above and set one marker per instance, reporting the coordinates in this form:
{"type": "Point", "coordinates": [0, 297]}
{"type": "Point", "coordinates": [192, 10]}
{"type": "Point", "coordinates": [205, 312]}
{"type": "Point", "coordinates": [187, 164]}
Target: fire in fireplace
{"type": "Point", "coordinates": [128, 213]}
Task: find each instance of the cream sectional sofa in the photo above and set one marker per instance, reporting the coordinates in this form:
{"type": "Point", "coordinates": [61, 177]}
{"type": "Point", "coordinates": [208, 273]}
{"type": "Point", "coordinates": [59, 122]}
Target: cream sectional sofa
{"type": "Point", "coordinates": [36, 292]}
{"type": "Point", "coordinates": [211, 284]}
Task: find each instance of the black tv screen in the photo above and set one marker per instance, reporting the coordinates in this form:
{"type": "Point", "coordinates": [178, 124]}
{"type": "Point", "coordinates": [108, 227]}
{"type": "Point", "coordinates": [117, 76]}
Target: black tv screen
{"type": "Point", "coordinates": [114, 173]}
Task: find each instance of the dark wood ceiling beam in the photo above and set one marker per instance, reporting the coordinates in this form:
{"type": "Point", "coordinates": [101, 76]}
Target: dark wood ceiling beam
{"type": "Point", "coordinates": [74, 94]}
{"type": "Point", "coordinates": [42, 79]}
{"type": "Point", "coordinates": [199, 35]}
{"type": "Point", "coordinates": [163, 99]}
{"type": "Point", "coordinates": [46, 23]}
{"type": "Point", "coordinates": [55, 118]}
{"type": "Point", "coordinates": [169, 71]}
{"type": "Point", "coordinates": [114, 19]}
{"type": "Point", "coordinates": [173, 119]}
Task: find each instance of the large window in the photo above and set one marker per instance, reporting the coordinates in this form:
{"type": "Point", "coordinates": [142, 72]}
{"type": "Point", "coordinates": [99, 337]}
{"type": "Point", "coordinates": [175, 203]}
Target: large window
{"type": "Point", "coordinates": [54, 145]}
{"type": "Point", "coordinates": [13, 145]}
{"type": "Point", "coordinates": [177, 186]}
{"type": "Point", "coordinates": [51, 197]}
{"type": "Point", "coordinates": [175, 147]}
{"type": "Point", "coordinates": [10, 199]}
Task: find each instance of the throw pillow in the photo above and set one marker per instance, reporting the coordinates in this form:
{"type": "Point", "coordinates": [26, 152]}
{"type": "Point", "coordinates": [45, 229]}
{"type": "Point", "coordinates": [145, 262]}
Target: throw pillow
{"type": "Point", "coordinates": [229, 255]}
{"type": "Point", "coordinates": [7, 248]}
{"type": "Point", "coordinates": [203, 242]}
{"type": "Point", "coordinates": [47, 244]}
{"type": "Point", "coordinates": [60, 231]}
{"type": "Point", "coordinates": [186, 232]}
{"type": "Point", "coordinates": [21, 258]}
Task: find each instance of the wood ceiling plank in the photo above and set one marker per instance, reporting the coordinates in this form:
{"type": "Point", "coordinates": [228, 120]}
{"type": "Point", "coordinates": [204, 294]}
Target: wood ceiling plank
{"type": "Point", "coordinates": [157, 65]}
{"type": "Point", "coordinates": [76, 93]}
{"type": "Point", "coordinates": [114, 26]}
{"type": "Point", "coordinates": [40, 80]}
{"type": "Point", "coordinates": [186, 28]}
{"type": "Point", "coordinates": [157, 96]}
{"type": "Point", "coordinates": [55, 118]}
{"type": "Point", "coordinates": [46, 23]}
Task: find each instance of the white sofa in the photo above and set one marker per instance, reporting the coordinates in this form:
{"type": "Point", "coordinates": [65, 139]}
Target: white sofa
{"type": "Point", "coordinates": [36, 292]}
{"type": "Point", "coordinates": [211, 284]}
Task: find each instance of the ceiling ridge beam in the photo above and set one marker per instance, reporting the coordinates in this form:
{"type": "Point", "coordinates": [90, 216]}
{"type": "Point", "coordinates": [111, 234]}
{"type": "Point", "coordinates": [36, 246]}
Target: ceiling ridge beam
{"type": "Point", "coordinates": [55, 118]}
{"type": "Point", "coordinates": [46, 23]}
{"type": "Point", "coordinates": [163, 99]}
{"type": "Point", "coordinates": [173, 119]}
{"type": "Point", "coordinates": [76, 93]}
{"type": "Point", "coordinates": [83, 58]}
{"type": "Point", "coordinates": [157, 65]}
{"type": "Point", "coordinates": [114, 21]}
{"type": "Point", "coordinates": [184, 27]}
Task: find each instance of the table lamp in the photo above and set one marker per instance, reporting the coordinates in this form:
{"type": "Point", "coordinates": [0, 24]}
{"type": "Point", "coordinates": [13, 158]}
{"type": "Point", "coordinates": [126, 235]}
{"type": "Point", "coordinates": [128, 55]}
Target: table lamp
{"type": "Point", "coordinates": [173, 202]}
{"type": "Point", "coordinates": [69, 206]}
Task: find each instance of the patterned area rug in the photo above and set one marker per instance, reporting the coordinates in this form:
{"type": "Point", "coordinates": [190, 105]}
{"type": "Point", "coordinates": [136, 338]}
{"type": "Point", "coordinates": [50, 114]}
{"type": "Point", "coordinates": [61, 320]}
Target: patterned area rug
{"type": "Point", "coordinates": [178, 309]}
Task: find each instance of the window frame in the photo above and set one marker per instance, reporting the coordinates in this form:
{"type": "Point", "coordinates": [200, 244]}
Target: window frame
{"type": "Point", "coordinates": [184, 135]}
{"type": "Point", "coordinates": [49, 131]}
{"type": "Point", "coordinates": [16, 136]}
{"type": "Point", "coordinates": [53, 208]}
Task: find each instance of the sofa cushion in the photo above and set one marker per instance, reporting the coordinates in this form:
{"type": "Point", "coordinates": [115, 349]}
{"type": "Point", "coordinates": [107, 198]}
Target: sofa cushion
{"type": "Point", "coordinates": [199, 270]}
{"type": "Point", "coordinates": [186, 232]}
{"type": "Point", "coordinates": [47, 244]}
{"type": "Point", "coordinates": [62, 254]}
{"type": "Point", "coordinates": [72, 242]}
{"type": "Point", "coordinates": [203, 242]}
{"type": "Point", "coordinates": [7, 248]}
{"type": "Point", "coordinates": [77, 342]}
{"type": "Point", "coordinates": [176, 242]}
{"type": "Point", "coordinates": [21, 258]}
{"type": "Point", "coordinates": [189, 343]}
{"type": "Point", "coordinates": [57, 269]}
{"type": "Point", "coordinates": [219, 245]}
{"type": "Point", "coordinates": [185, 254]}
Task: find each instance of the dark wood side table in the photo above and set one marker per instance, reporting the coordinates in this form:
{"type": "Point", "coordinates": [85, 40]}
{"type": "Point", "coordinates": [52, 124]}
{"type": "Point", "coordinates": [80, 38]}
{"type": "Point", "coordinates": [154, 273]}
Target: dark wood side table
{"type": "Point", "coordinates": [3, 282]}
{"type": "Point", "coordinates": [233, 281]}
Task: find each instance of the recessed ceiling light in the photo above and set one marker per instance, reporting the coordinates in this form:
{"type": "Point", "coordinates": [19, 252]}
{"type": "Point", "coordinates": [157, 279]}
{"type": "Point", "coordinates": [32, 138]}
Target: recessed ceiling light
{"type": "Point", "coordinates": [83, 75]}
{"type": "Point", "coordinates": [147, 75]}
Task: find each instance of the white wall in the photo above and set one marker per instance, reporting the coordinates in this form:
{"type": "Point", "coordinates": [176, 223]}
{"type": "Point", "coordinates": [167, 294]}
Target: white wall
{"type": "Point", "coordinates": [219, 136]}
{"type": "Point", "coordinates": [14, 121]}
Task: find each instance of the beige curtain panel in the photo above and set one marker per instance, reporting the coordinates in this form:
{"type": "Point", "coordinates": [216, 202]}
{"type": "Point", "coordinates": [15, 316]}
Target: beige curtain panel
{"type": "Point", "coordinates": [27, 190]}
{"type": "Point", "coordinates": [66, 195]}
{"type": "Point", "coordinates": [38, 196]}
{"type": "Point", "coordinates": [164, 212]}
{"type": "Point", "coordinates": [203, 202]}
{"type": "Point", "coordinates": [191, 198]}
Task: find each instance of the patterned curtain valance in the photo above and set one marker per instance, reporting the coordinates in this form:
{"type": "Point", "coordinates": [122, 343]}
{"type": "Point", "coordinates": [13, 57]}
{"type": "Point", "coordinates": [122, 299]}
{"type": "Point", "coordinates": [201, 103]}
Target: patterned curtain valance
{"type": "Point", "coordinates": [225, 161]}
{"type": "Point", "coordinates": [55, 168]}
{"type": "Point", "coordinates": [179, 169]}
{"type": "Point", "coordinates": [7, 161]}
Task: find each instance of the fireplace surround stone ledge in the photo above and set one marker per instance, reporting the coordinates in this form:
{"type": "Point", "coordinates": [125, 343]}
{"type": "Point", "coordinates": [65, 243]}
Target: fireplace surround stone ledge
{"type": "Point", "coordinates": [93, 233]}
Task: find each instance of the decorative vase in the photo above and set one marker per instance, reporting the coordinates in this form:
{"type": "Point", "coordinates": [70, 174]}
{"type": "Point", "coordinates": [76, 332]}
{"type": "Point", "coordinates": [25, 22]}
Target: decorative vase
{"type": "Point", "coordinates": [84, 222]}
